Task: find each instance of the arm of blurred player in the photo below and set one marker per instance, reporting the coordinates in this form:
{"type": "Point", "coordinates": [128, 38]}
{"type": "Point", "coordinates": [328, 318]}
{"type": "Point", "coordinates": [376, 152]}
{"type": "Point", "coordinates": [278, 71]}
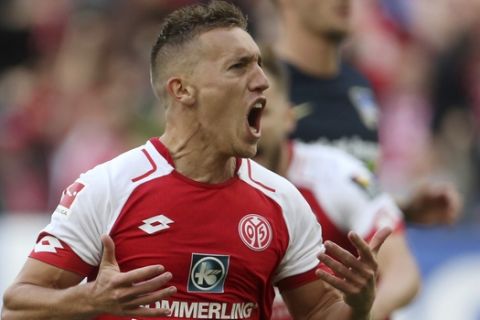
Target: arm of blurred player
{"type": "Point", "coordinates": [435, 203]}
{"type": "Point", "coordinates": [42, 291]}
{"type": "Point", "coordinates": [394, 291]}
{"type": "Point", "coordinates": [353, 277]}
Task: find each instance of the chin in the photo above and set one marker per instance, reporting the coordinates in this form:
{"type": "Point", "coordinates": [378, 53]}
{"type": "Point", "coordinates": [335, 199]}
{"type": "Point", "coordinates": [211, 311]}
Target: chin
{"type": "Point", "coordinates": [248, 152]}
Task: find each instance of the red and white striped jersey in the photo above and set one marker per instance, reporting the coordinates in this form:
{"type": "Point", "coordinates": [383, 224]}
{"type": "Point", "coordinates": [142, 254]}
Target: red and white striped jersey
{"type": "Point", "coordinates": [226, 244]}
{"type": "Point", "coordinates": [342, 193]}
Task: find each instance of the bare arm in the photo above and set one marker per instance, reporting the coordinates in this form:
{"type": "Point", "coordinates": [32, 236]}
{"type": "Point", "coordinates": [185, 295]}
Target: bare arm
{"type": "Point", "coordinates": [316, 300]}
{"type": "Point", "coordinates": [434, 204]}
{"type": "Point", "coordinates": [353, 277]}
{"type": "Point", "coordinates": [42, 291]}
{"type": "Point", "coordinates": [399, 277]}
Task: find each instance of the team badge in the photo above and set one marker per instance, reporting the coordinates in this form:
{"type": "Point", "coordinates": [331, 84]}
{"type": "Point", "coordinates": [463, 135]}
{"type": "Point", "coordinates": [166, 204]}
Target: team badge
{"type": "Point", "coordinates": [363, 100]}
{"type": "Point", "coordinates": [366, 185]}
{"type": "Point", "coordinates": [208, 273]}
{"type": "Point", "coordinates": [255, 231]}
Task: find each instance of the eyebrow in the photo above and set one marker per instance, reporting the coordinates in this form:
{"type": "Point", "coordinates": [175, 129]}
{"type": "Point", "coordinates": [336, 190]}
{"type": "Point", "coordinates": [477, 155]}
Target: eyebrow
{"type": "Point", "coordinates": [249, 58]}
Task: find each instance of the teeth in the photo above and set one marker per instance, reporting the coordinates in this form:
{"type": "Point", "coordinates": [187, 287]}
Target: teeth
{"type": "Point", "coordinates": [258, 105]}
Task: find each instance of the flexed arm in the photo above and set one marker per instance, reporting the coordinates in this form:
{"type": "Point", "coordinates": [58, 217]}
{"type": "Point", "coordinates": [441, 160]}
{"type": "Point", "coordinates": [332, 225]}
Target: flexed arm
{"type": "Point", "coordinates": [42, 291]}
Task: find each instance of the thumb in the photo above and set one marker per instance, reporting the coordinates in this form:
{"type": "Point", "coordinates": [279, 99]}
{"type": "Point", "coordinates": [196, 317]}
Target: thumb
{"type": "Point", "coordinates": [379, 238]}
{"type": "Point", "coordinates": [108, 255]}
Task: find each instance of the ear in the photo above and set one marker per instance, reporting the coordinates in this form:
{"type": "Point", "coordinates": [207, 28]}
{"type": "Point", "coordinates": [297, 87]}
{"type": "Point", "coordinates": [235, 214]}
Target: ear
{"type": "Point", "coordinates": [180, 91]}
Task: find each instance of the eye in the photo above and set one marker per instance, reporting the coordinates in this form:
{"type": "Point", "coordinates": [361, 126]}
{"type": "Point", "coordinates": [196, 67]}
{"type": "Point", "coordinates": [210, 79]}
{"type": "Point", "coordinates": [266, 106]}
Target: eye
{"type": "Point", "coordinates": [238, 65]}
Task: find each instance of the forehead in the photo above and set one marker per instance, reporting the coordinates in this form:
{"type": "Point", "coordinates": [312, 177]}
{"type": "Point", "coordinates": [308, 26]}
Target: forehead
{"type": "Point", "coordinates": [227, 43]}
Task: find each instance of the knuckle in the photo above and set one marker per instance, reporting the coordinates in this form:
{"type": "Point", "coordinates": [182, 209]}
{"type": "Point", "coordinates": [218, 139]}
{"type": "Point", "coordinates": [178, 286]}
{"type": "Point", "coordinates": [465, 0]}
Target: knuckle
{"type": "Point", "coordinates": [371, 274]}
{"type": "Point", "coordinates": [116, 281]}
{"type": "Point", "coordinates": [117, 295]}
{"type": "Point", "coordinates": [355, 290]}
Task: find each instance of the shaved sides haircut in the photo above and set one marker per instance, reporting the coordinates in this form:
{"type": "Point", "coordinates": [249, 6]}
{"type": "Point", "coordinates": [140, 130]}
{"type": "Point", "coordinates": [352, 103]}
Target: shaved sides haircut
{"type": "Point", "coordinates": [182, 26]}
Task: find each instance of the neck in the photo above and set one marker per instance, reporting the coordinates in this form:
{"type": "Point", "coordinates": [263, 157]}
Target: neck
{"type": "Point", "coordinates": [195, 158]}
{"type": "Point", "coordinates": [309, 51]}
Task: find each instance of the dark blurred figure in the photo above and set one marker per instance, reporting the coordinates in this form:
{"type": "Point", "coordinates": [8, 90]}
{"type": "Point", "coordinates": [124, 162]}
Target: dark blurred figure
{"type": "Point", "coordinates": [23, 143]}
{"type": "Point", "coordinates": [334, 102]}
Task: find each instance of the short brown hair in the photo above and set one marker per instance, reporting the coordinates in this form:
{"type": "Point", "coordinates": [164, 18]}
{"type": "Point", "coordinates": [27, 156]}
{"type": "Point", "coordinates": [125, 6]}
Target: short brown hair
{"type": "Point", "coordinates": [186, 23]}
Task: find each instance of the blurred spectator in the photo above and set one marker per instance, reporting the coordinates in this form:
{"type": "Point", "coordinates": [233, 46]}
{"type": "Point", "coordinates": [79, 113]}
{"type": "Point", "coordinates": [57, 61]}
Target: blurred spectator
{"type": "Point", "coordinates": [334, 101]}
{"type": "Point", "coordinates": [417, 78]}
{"type": "Point", "coordinates": [70, 85]}
{"type": "Point", "coordinates": [456, 116]}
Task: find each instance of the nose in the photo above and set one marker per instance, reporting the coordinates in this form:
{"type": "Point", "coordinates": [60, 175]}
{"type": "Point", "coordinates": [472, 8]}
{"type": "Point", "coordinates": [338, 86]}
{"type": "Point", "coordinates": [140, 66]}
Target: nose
{"type": "Point", "coordinates": [259, 81]}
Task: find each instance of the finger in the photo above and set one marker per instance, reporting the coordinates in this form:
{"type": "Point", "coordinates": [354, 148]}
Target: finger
{"type": "Point", "coordinates": [141, 274]}
{"type": "Point", "coordinates": [379, 238]}
{"type": "Point", "coordinates": [363, 250]}
{"type": "Point", "coordinates": [153, 296]}
{"type": "Point", "coordinates": [345, 257]}
{"type": "Point", "coordinates": [335, 282]}
{"type": "Point", "coordinates": [108, 255]}
{"type": "Point", "coordinates": [341, 270]}
{"type": "Point", "coordinates": [148, 286]}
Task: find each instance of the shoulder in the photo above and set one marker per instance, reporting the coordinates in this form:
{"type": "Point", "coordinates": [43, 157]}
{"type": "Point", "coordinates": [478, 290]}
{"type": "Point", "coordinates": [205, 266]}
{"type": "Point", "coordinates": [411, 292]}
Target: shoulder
{"type": "Point", "coordinates": [323, 163]}
{"type": "Point", "coordinates": [131, 168]}
{"type": "Point", "coordinates": [265, 180]}
{"type": "Point", "coordinates": [109, 184]}
{"type": "Point", "coordinates": [92, 204]}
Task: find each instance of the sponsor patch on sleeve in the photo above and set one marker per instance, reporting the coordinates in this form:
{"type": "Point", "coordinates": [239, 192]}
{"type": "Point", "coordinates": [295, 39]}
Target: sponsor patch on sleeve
{"type": "Point", "coordinates": [68, 197]}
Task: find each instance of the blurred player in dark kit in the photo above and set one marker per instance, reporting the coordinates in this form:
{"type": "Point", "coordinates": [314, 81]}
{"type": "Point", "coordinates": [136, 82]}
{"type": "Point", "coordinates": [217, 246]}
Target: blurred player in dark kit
{"type": "Point", "coordinates": [342, 193]}
{"type": "Point", "coordinates": [334, 103]}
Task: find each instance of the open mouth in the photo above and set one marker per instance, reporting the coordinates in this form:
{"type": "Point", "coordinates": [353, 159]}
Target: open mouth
{"type": "Point", "coordinates": [254, 116]}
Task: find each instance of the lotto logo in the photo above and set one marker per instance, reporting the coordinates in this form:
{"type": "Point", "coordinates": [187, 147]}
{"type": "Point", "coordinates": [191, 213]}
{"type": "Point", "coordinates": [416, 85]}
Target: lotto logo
{"type": "Point", "coordinates": [48, 244]}
{"type": "Point", "coordinates": [155, 224]}
{"type": "Point", "coordinates": [208, 273]}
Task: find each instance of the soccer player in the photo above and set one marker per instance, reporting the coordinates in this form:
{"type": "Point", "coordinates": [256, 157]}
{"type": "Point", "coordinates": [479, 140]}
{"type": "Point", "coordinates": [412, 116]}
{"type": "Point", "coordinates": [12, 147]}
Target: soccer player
{"type": "Point", "coordinates": [191, 202]}
{"type": "Point", "coordinates": [334, 102]}
{"type": "Point", "coordinates": [342, 193]}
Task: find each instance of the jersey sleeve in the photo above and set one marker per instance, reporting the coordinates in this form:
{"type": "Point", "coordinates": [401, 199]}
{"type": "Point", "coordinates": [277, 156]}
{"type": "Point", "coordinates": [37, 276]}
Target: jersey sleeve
{"type": "Point", "coordinates": [300, 260]}
{"type": "Point", "coordinates": [71, 240]}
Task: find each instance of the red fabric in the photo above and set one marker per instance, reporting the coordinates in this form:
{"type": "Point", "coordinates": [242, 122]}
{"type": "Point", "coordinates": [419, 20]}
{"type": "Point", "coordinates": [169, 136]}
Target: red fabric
{"type": "Point", "coordinates": [64, 258]}
{"type": "Point", "coordinates": [297, 280]}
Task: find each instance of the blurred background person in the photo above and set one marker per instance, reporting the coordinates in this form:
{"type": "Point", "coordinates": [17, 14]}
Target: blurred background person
{"type": "Point", "coordinates": [335, 103]}
{"type": "Point", "coordinates": [341, 191]}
